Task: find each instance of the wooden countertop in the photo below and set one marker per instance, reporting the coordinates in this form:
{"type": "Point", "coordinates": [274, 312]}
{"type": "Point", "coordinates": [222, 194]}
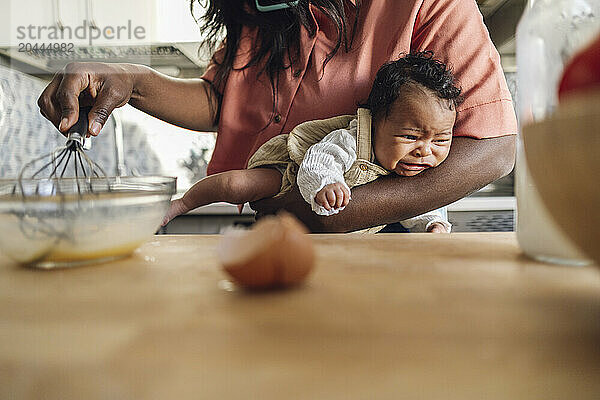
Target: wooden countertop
{"type": "Point", "coordinates": [397, 316]}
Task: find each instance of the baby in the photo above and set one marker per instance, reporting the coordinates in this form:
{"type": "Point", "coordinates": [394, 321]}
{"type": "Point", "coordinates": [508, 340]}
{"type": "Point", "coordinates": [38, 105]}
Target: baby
{"type": "Point", "coordinates": [405, 127]}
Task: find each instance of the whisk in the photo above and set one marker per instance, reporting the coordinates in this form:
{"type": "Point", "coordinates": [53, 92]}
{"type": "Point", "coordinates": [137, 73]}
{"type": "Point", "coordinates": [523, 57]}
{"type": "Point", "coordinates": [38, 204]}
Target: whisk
{"type": "Point", "coordinates": [66, 161]}
{"type": "Point", "coordinates": [65, 171]}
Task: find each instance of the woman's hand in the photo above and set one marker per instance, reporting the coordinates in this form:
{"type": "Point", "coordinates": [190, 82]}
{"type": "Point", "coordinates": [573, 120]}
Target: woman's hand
{"type": "Point", "coordinates": [104, 87]}
{"type": "Point", "coordinates": [188, 103]}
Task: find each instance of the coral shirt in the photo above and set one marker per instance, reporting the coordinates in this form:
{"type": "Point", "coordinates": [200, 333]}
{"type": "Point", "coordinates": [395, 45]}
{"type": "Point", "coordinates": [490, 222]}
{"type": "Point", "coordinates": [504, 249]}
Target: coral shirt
{"type": "Point", "coordinates": [452, 29]}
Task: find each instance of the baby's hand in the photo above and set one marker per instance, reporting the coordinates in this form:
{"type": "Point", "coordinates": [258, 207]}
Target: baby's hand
{"type": "Point", "coordinates": [333, 196]}
{"type": "Point", "coordinates": [437, 227]}
{"type": "Point", "coordinates": [177, 208]}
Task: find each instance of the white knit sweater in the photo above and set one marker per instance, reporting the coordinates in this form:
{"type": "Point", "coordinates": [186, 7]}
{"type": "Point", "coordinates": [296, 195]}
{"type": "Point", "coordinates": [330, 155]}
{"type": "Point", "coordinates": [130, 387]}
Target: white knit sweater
{"type": "Point", "coordinates": [326, 162]}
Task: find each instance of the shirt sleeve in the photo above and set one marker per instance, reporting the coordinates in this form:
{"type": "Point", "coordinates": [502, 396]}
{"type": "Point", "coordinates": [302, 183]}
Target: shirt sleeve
{"type": "Point", "coordinates": [454, 30]}
{"type": "Point", "coordinates": [420, 223]}
{"type": "Point", "coordinates": [326, 162]}
{"type": "Point", "coordinates": [211, 70]}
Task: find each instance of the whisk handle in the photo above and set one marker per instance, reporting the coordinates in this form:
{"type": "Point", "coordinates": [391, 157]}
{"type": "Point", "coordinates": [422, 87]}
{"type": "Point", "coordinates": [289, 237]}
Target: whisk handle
{"type": "Point", "coordinates": [78, 132]}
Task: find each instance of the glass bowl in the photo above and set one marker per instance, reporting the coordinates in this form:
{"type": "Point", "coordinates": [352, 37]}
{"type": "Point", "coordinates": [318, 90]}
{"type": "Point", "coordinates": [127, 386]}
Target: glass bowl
{"type": "Point", "coordinates": [74, 221]}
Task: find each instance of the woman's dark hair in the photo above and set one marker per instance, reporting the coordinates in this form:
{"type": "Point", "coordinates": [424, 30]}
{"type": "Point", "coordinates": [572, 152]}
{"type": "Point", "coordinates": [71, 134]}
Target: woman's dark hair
{"type": "Point", "coordinates": [277, 45]}
{"type": "Point", "coordinates": [414, 68]}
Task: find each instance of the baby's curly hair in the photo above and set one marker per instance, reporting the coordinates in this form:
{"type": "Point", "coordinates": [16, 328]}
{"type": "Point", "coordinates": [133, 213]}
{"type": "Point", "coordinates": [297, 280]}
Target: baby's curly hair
{"type": "Point", "coordinates": [414, 68]}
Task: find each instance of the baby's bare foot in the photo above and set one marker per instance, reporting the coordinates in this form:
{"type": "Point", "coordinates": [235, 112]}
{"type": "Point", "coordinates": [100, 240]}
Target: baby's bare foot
{"type": "Point", "coordinates": [177, 208]}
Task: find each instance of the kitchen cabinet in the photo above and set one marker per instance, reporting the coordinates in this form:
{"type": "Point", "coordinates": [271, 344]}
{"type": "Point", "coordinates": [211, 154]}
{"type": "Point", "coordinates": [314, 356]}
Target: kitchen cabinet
{"type": "Point", "coordinates": [17, 17]}
{"type": "Point", "coordinates": [122, 22]}
{"type": "Point", "coordinates": [174, 22]}
{"type": "Point", "coordinates": [106, 22]}
{"type": "Point", "coordinates": [37, 20]}
{"type": "Point", "coordinates": [162, 21]}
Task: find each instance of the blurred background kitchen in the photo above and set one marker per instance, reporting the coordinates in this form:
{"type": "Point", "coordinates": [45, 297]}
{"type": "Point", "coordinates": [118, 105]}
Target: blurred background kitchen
{"type": "Point", "coordinates": [163, 34]}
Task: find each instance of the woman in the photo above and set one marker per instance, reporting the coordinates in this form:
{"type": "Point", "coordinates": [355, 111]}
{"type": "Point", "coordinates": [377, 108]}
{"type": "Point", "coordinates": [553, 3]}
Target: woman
{"type": "Point", "coordinates": [315, 60]}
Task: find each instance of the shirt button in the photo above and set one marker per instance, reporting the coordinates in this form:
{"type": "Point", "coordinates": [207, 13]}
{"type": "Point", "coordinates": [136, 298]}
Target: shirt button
{"type": "Point", "coordinates": [277, 118]}
{"type": "Point", "coordinates": [363, 167]}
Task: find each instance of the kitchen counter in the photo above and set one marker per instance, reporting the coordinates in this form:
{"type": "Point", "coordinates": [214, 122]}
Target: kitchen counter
{"type": "Point", "coordinates": [474, 213]}
{"type": "Point", "coordinates": [502, 203]}
{"type": "Point", "coordinates": [415, 316]}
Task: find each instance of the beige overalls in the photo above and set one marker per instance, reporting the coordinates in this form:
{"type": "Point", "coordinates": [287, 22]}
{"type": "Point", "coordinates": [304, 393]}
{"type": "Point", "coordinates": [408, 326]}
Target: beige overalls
{"type": "Point", "coordinates": [286, 152]}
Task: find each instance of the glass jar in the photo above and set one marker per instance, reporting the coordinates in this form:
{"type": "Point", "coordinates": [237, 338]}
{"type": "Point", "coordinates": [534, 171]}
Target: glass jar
{"type": "Point", "coordinates": [549, 33]}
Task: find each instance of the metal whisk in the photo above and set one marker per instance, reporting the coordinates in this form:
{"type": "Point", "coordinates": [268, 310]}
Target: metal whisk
{"type": "Point", "coordinates": [64, 172]}
{"type": "Point", "coordinates": [69, 160]}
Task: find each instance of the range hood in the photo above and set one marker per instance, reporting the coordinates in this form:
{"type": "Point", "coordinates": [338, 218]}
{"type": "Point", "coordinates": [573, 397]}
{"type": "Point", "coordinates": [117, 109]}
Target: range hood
{"type": "Point", "coordinates": [174, 59]}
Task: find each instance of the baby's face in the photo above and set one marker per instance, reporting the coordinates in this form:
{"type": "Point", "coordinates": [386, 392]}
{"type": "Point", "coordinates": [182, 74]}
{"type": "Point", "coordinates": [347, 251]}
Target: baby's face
{"type": "Point", "coordinates": [417, 133]}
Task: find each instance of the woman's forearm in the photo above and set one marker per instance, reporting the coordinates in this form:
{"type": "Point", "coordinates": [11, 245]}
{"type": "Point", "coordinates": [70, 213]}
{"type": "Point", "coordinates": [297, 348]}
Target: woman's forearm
{"type": "Point", "coordinates": [189, 103]}
{"type": "Point", "coordinates": [471, 165]}
{"type": "Point", "coordinates": [106, 86]}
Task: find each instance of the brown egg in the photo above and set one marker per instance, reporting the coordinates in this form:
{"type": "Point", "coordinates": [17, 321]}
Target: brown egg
{"type": "Point", "coordinates": [276, 253]}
